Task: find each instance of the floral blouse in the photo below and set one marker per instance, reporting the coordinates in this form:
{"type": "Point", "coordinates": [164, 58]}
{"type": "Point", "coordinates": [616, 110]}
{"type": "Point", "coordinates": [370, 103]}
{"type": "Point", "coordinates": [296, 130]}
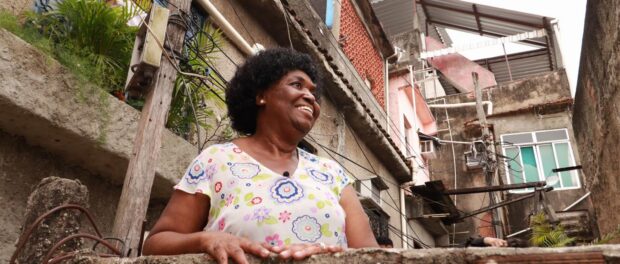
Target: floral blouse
{"type": "Point", "coordinates": [249, 200]}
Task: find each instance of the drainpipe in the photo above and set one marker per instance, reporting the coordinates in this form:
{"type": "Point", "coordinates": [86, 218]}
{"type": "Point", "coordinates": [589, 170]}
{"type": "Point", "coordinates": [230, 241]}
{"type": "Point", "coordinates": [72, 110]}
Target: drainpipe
{"type": "Point", "coordinates": [488, 103]}
{"type": "Point", "coordinates": [415, 115]}
{"type": "Point", "coordinates": [228, 29]}
{"type": "Point", "coordinates": [386, 87]}
{"type": "Point", "coordinates": [403, 219]}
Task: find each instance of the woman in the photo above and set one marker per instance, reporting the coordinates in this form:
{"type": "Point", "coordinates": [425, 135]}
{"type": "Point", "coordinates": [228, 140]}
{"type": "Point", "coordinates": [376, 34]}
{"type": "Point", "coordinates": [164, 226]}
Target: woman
{"type": "Point", "coordinates": [260, 194]}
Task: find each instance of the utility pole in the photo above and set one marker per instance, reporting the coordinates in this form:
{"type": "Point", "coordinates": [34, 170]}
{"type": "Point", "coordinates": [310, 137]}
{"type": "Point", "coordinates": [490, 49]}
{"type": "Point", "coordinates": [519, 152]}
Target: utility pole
{"type": "Point", "coordinates": [134, 200]}
{"type": "Point", "coordinates": [490, 168]}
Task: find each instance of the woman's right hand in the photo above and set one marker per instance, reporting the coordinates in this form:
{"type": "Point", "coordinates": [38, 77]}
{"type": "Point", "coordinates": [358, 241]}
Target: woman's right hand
{"type": "Point", "coordinates": [220, 246]}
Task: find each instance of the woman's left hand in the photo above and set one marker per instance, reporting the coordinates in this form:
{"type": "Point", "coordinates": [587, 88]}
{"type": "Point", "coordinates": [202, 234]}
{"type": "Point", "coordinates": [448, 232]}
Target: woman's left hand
{"type": "Point", "coordinates": [302, 251]}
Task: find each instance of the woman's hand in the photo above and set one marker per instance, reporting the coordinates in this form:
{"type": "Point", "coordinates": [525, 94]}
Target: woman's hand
{"type": "Point", "coordinates": [220, 246]}
{"type": "Point", "coordinates": [302, 251]}
{"type": "Point", "coordinates": [495, 242]}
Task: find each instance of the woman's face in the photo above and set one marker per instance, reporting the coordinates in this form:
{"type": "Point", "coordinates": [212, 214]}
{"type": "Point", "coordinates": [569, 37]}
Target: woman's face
{"type": "Point", "coordinates": [291, 101]}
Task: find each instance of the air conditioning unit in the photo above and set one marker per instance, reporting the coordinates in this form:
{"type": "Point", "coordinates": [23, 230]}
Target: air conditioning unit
{"type": "Point", "coordinates": [366, 189]}
{"type": "Point", "coordinates": [427, 149]}
{"type": "Point", "coordinates": [473, 160]}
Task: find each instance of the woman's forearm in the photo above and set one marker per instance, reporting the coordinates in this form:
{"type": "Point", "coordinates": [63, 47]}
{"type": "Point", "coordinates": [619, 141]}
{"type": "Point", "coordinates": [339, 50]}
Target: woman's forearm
{"type": "Point", "coordinates": [173, 243]}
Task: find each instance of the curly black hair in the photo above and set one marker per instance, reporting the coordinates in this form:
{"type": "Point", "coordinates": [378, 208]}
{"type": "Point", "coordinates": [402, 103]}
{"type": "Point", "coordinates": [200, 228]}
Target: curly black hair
{"type": "Point", "coordinates": [257, 74]}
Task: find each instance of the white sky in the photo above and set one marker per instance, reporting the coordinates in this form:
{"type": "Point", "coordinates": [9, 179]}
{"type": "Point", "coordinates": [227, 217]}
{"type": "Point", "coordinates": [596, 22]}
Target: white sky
{"type": "Point", "coordinates": [569, 13]}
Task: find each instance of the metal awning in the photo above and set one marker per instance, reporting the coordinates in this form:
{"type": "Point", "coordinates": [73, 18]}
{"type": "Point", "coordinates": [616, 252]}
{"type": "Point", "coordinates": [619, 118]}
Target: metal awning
{"type": "Point", "coordinates": [522, 65]}
{"type": "Point", "coordinates": [481, 19]}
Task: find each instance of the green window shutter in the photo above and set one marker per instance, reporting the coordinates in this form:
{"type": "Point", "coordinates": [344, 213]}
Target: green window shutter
{"type": "Point", "coordinates": [565, 160]}
{"type": "Point", "coordinates": [515, 169]}
{"type": "Point", "coordinates": [529, 164]}
{"type": "Point", "coordinates": [548, 161]}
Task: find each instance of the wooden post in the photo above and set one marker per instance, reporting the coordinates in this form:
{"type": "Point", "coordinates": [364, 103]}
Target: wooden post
{"type": "Point", "coordinates": [479, 108]}
{"type": "Point", "coordinates": [132, 206]}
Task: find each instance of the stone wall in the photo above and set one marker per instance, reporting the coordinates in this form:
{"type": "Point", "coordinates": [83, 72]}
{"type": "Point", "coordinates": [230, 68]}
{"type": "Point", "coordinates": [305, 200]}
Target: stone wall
{"type": "Point", "coordinates": [591, 254]}
{"type": "Point", "coordinates": [597, 110]}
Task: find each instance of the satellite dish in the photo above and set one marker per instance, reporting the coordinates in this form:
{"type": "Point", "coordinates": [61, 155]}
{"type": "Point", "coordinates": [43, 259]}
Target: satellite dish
{"type": "Point", "coordinates": [552, 180]}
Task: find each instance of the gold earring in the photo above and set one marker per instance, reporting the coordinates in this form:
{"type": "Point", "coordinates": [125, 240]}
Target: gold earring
{"type": "Point", "coordinates": [262, 101]}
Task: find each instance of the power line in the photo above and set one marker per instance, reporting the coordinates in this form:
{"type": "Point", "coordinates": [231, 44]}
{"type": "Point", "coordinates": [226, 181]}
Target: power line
{"type": "Point", "coordinates": [370, 188]}
{"type": "Point", "coordinates": [241, 21]}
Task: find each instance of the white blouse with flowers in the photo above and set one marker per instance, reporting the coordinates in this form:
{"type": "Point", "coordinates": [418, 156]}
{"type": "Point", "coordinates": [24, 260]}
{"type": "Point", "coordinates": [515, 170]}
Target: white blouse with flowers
{"type": "Point", "coordinates": [249, 200]}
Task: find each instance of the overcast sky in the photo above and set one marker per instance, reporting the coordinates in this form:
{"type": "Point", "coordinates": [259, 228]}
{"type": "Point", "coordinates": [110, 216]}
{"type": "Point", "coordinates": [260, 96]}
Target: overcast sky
{"type": "Point", "coordinates": [570, 14]}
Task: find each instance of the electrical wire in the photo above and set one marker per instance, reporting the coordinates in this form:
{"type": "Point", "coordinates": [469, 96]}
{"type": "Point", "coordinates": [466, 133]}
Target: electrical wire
{"type": "Point", "coordinates": [370, 188]}
{"type": "Point", "coordinates": [370, 97]}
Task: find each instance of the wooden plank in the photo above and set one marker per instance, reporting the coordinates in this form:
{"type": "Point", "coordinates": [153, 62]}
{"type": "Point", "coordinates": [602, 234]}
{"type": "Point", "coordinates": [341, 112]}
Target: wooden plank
{"type": "Point", "coordinates": [495, 188]}
{"type": "Point", "coordinates": [133, 203]}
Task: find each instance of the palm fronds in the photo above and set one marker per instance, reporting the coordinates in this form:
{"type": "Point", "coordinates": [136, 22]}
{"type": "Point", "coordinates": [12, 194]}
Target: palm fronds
{"type": "Point", "coordinates": [605, 239]}
{"type": "Point", "coordinates": [544, 234]}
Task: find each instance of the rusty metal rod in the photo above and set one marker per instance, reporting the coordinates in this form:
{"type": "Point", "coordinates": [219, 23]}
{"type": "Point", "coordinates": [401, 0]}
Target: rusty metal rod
{"type": "Point", "coordinates": [74, 236]}
{"type": "Point", "coordinates": [24, 237]}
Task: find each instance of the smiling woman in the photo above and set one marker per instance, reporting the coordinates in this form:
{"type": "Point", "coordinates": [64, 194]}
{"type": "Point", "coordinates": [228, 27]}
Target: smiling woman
{"type": "Point", "coordinates": [239, 197]}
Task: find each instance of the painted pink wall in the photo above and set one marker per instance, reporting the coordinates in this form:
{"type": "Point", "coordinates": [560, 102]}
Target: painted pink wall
{"type": "Point", "coordinates": [400, 104]}
{"type": "Point", "coordinates": [457, 69]}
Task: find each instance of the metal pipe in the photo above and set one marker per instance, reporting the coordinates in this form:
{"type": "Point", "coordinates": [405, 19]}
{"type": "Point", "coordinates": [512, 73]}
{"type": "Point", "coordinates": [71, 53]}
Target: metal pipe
{"type": "Point", "coordinates": [565, 209]}
{"type": "Point", "coordinates": [507, 63]}
{"type": "Point", "coordinates": [387, 92]}
{"type": "Point", "coordinates": [488, 103]}
{"type": "Point", "coordinates": [403, 219]}
{"type": "Point", "coordinates": [577, 202]}
{"type": "Point", "coordinates": [228, 29]}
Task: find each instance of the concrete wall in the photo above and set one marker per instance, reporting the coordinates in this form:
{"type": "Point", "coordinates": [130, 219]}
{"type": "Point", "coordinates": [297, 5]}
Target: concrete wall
{"type": "Point", "coordinates": [527, 122]}
{"type": "Point", "coordinates": [22, 166]}
{"type": "Point", "coordinates": [16, 7]}
{"type": "Point", "coordinates": [515, 107]}
{"type": "Point", "coordinates": [588, 254]}
{"type": "Point", "coordinates": [597, 110]}
{"type": "Point", "coordinates": [53, 125]}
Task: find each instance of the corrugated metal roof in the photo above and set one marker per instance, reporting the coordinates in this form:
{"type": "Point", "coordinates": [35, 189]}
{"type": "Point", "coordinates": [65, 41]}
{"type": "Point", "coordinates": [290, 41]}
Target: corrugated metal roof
{"type": "Point", "coordinates": [487, 20]}
{"type": "Point", "coordinates": [396, 16]}
{"type": "Point", "coordinates": [522, 65]}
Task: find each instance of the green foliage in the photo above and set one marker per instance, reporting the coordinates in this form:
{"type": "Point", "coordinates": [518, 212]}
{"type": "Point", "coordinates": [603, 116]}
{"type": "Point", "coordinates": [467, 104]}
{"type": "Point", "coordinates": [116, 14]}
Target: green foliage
{"type": "Point", "coordinates": [544, 234]}
{"type": "Point", "coordinates": [95, 33]}
{"type": "Point", "coordinates": [11, 23]}
{"type": "Point", "coordinates": [193, 99]}
{"type": "Point", "coordinates": [607, 238]}
{"type": "Point", "coordinates": [95, 43]}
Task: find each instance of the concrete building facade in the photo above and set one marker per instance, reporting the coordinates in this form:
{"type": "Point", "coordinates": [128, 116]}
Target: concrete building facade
{"type": "Point", "coordinates": [45, 130]}
{"type": "Point", "coordinates": [527, 102]}
{"type": "Point", "coordinates": [595, 115]}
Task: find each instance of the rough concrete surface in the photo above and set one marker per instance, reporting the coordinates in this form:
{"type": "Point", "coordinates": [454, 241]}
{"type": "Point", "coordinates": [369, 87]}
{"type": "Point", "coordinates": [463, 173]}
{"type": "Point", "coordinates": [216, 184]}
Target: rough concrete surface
{"type": "Point", "coordinates": [22, 167]}
{"type": "Point", "coordinates": [606, 254]}
{"type": "Point", "coordinates": [50, 124]}
{"type": "Point", "coordinates": [509, 101]}
{"type": "Point", "coordinates": [44, 103]}
{"type": "Point", "coordinates": [16, 7]}
{"type": "Point", "coordinates": [50, 193]}
{"type": "Point", "coordinates": [597, 110]}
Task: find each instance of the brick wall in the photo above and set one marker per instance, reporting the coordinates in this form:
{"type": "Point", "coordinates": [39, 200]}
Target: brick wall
{"type": "Point", "coordinates": [357, 45]}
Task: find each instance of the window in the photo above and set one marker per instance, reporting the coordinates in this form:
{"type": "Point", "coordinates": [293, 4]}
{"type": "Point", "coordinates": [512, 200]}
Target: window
{"type": "Point", "coordinates": [532, 156]}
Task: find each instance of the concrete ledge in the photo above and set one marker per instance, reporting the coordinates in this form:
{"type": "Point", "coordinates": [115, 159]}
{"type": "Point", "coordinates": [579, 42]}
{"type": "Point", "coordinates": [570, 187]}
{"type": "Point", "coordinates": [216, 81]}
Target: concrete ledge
{"type": "Point", "coordinates": [41, 101]}
{"type": "Point", "coordinates": [588, 254]}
